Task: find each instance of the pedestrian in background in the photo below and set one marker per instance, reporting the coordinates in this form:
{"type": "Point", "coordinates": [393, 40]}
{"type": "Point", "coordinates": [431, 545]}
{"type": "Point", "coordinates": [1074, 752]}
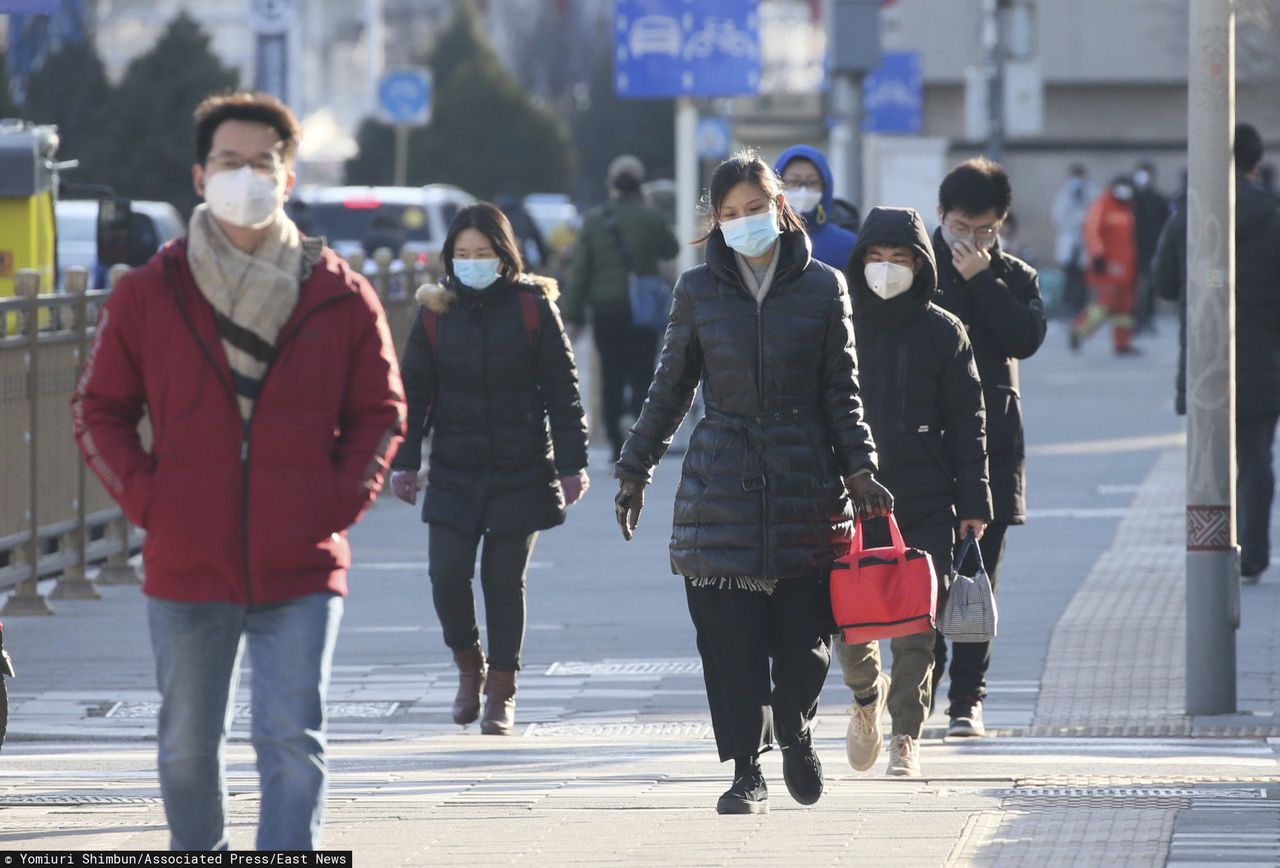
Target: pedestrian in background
{"type": "Point", "coordinates": [1111, 241]}
{"type": "Point", "coordinates": [997, 297]}
{"type": "Point", "coordinates": [807, 184]}
{"type": "Point", "coordinates": [763, 506]}
{"type": "Point", "coordinates": [1070, 207]}
{"type": "Point", "coordinates": [623, 233]}
{"type": "Point", "coordinates": [1150, 213]}
{"type": "Point", "coordinates": [1257, 361]}
{"type": "Point", "coordinates": [270, 382]}
{"type": "Point", "coordinates": [489, 373]}
{"type": "Point", "coordinates": [924, 405]}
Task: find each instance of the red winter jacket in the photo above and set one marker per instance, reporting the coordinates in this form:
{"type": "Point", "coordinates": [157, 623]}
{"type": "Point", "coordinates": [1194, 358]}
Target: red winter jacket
{"type": "Point", "coordinates": [249, 514]}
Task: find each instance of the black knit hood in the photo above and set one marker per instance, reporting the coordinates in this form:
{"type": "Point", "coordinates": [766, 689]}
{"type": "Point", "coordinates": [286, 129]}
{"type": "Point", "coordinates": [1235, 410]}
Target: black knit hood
{"type": "Point", "coordinates": [902, 226]}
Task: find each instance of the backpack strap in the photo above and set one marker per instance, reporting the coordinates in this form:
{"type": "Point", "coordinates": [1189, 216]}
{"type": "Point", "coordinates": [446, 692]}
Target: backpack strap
{"type": "Point", "coordinates": [431, 325]}
{"type": "Point", "coordinates": [529, 313]}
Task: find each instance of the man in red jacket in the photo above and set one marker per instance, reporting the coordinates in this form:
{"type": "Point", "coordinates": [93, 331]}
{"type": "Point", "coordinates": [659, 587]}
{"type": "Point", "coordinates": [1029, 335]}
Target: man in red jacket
{"type": "Point", "coordinates": [267, 373]}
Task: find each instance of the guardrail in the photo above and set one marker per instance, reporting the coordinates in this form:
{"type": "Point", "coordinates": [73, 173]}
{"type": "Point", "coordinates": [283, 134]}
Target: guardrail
{"type": "Point", "coordinates": [55, 517]}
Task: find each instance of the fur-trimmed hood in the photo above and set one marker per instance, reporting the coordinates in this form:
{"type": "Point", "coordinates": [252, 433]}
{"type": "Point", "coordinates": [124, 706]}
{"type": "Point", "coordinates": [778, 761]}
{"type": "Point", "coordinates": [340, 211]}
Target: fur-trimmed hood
{"type": "Point", "coordinates": [439, 297]}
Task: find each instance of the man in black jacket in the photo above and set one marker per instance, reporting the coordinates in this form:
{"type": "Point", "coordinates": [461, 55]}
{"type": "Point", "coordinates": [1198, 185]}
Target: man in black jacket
{"type": "Point", "coordinates": [923, 401]}
{"type": "Point", "coordinates": [1257, 341]}
{"type": "Point", "coordinates": [997, 297]}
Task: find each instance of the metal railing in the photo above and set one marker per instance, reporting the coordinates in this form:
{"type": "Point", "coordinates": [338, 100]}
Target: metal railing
{"type": "Point", "coordinates": [55, 517]}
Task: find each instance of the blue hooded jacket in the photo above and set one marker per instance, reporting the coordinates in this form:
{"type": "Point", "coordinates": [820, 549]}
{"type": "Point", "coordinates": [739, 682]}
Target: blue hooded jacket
{"type": "Point", "coordinates": [831, 243]}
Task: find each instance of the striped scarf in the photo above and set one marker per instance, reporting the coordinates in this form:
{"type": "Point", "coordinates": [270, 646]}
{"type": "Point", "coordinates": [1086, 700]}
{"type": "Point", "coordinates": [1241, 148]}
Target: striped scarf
{"type": "Point", "coordinates": [252, 294]}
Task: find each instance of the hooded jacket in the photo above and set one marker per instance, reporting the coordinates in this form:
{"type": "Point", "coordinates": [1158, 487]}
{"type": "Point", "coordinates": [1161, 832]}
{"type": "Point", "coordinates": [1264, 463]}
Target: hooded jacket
{"type": "Point", "coordinates": [761, 495]}
{"type": "Point", "coordinates": [920, 385]}
{"type": "Point", "coordinates": [506, 417]}
{"type": "Point", "coordinates": [1257, 297]}
{"type": "Point", "coordinates": [1001, 309]}
{"type": "Point", "coordinates": [832, 244]}
{"type": "Point", "coordinates": [251, 512]}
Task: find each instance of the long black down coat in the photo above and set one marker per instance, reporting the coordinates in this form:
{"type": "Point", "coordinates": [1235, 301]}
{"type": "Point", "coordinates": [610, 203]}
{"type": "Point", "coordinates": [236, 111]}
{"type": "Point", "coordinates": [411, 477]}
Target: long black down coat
{"type": "Point", "coordinates": [761, 494]}
{"type": "Point", "coordinates": [920, 386]}
{"type": "Point", "coordinates": [1257, 298]}
{"type": "Point", "coordinates": [508, 421]}
{"type": "Point", "coordinates": [1001, 308]}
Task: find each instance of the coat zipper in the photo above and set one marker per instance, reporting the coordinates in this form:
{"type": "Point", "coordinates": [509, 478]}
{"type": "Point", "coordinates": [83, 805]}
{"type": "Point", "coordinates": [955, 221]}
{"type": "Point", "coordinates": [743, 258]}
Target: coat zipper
{"type": "Point", "coordinates": [764, 489]}
{"type": "Point", "coordinates": [245, 453]}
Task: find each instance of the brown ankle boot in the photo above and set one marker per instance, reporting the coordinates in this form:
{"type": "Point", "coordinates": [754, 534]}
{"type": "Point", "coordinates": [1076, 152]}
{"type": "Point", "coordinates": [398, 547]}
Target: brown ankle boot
{"type": "Point", "coordinates": [499, 703]}
{"type": "Point", "coordinates": [471, 672]}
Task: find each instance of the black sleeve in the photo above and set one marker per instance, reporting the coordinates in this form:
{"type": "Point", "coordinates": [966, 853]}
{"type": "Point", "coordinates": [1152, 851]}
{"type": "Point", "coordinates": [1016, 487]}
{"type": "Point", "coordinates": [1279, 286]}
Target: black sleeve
{"type": "Point", "coordinates": [1169, 263]}
{"type": "Point", "coordinates": [418, 371]}
{"type": "Point", "coordinates": [558, 381]}
{"type": "Point", "coordinates": [1009, 305]}
{"type": "Point", "coordinates": [841, 395]}
{"type": "Point", "coordinates": [670, 394]}
{"type": "Point", "coordinates": [964, 421]}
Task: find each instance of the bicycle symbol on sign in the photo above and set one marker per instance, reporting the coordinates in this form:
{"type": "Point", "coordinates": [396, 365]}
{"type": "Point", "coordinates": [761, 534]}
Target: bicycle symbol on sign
{"type": "Point", "coordinates": [719, 34]}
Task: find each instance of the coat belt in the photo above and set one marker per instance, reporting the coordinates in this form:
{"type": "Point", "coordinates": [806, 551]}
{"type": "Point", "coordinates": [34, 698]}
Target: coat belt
{"type": "Point", "coordinates": [754, 431]}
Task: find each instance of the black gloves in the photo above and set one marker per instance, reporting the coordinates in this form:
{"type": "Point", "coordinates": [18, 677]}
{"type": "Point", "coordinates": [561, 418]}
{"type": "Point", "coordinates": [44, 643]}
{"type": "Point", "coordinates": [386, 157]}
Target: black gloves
{"type": "Point", "coordinates": [627, 504]}
{"type": "Point", "coordinates": [870, 498]}
{"type": "Point", "coordinates": [1099, 265]}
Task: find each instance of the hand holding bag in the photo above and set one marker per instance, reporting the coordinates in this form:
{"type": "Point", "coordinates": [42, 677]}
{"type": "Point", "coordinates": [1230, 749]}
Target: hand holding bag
{"type": "Point", "coordinates": [969, 614]}
{"type": "Point", "coordinates": [883, 593]}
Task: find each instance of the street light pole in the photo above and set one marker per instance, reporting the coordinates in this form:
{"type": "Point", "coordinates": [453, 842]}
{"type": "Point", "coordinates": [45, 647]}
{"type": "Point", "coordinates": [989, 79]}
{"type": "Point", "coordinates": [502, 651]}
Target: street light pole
{"type": "Point", "coordinates": [997, 56]}
{"type": "Point", "coordinates": [1213, 562]}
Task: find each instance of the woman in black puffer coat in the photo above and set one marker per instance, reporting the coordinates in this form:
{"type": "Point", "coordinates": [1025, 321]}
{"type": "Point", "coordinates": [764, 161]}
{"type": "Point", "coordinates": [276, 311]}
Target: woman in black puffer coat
{"type": "Point", "coordinates": [762, 509]}
{"type": "Point", "coordinates": [489, 370]}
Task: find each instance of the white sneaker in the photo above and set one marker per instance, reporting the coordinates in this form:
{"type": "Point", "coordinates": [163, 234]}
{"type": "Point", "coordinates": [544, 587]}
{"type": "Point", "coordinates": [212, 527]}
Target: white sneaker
{"type": "Point", "coordinates": [968, 724]}
{"type": "Point", "coordinates": [864, 736]}
{"type": "Point", "coordinates": [904, 757]}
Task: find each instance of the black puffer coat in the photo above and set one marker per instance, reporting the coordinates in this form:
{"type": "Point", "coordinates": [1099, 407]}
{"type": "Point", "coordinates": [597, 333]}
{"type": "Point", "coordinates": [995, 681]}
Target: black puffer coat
{"type": "Point", "coordinates": [493, 467]}
{"type": "Point", "coordinates": [920, 384]}
{"type": "Point", "coordinates": [1001, 308]}
{"type": "Point", "coordinates": [1257, 298]}
{"type": "Point", "coordinates": [761, 495]}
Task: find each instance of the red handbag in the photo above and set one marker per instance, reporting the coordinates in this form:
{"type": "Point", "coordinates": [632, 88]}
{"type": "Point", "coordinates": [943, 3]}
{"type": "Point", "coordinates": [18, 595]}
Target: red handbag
{"type": "Point", "coordinates": [884, 592]}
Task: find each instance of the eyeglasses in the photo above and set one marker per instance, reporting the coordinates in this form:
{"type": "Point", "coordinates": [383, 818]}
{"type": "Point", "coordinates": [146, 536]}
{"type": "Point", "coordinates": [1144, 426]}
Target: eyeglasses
{"type": "Point", "coordinates": [265, 164]}
{"type": "Point", "coordinates": [982, 233]}
{"type": "Point", "coordinates": [814, 184]}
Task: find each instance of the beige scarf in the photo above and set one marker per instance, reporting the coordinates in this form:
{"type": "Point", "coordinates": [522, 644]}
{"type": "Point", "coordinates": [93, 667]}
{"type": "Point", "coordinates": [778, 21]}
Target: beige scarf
{"type": "Point", "coordinates": [252, 294]}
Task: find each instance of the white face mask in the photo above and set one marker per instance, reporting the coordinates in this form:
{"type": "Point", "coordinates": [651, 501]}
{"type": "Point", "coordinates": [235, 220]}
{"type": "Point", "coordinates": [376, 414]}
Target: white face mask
{"type": "Point", "coordinates": [888, 279]}
{"type": "Point", "coordinates": [802, 199]}
{"type": "Point", "coordinates": [243, 197]}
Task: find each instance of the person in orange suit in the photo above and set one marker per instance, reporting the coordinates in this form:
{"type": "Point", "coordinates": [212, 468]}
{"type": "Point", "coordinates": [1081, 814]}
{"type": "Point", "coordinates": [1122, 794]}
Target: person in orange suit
{"type": "Point", "coordinates": [1110, 237]}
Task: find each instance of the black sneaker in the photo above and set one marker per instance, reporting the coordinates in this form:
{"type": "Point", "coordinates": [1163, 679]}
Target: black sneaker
{"type": "Point", "coordinates": [802, 770]}
{"type": "Point", "coordinates": [967, 723]}
{"type": "Point", "coordinates": [748, 795]}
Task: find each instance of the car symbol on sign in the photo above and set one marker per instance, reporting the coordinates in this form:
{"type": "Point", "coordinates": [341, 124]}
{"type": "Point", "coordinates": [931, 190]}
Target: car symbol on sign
{"type": "Point", "coordinates": [655, 34]}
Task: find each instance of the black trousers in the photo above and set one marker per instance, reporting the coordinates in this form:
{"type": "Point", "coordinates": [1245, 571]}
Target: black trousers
{"type": "Point", "coordinates": [970, 660]}
{"type": "Point", "coordinates": [627, 358]}
{"type": "Point", "coordinates": [739, 632]}
{"type": "Point", "coordinates": [1255, 490]}
{"type": "Point", "coordinates": [503, 564]}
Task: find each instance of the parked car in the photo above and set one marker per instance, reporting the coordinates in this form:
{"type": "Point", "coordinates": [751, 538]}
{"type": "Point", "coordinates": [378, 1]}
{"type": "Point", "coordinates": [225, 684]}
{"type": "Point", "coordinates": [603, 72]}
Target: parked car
{"type": "Point", "coordinates": [152, 225]}
{"type": "Point", "coordinates": [366, 218]}
{"type": "Point", "coordinates": [557, 218]}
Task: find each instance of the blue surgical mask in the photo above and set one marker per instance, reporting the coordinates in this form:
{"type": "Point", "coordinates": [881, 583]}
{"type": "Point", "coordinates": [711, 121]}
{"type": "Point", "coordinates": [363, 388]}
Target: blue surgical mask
{"type": "Point", "coordinates": [752, 235]}
{"type": "Point", "coordinates": [477, 273]}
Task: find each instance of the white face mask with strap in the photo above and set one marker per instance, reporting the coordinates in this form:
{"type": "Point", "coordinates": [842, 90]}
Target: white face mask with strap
{"type": "Point", "coordinates": [888, 279]}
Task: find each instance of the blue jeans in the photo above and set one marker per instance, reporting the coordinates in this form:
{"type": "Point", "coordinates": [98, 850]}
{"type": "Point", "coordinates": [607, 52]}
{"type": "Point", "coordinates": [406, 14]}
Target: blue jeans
{"type": "Point", "coordinates": [197, 648]}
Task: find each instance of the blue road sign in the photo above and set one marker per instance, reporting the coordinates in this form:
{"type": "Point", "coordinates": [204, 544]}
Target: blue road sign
{"type": "Point", "coordinates": [404, 97]}
{"type": "Point", "coordinates": [670, 48]}
{"type": "Point", "coordinates": [715, 138]}
{"type": "Point", "coordinates": [893, 95]}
